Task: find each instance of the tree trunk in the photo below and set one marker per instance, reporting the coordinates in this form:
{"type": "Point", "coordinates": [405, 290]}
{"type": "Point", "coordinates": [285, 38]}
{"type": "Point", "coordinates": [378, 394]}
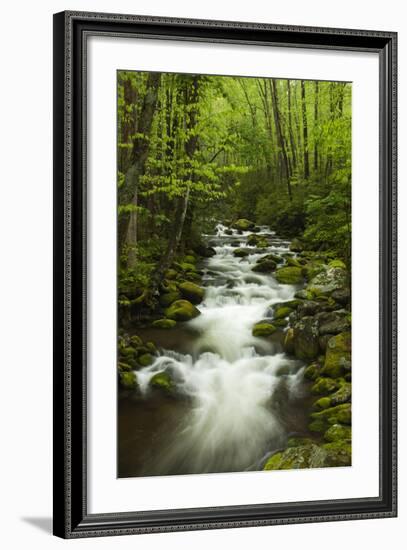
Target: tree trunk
{"type": "Point", "coordinates": [305, 130]}
{"type": "Point", "coordinates": [280, 135]}
{"type": "Point", "coordinates": [290, 127]}
{"type": "Point", "coordinates": [128, 194]}
{"type": "Point", "coordinates": [316, 126]}
{"type": "Point", "coordinates": [190, 122]}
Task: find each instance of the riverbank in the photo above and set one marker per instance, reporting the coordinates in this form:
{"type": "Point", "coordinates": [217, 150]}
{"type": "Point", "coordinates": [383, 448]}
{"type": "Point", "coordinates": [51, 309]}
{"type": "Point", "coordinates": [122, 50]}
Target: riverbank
{"type": "Point", "coordinates": [261, 370]}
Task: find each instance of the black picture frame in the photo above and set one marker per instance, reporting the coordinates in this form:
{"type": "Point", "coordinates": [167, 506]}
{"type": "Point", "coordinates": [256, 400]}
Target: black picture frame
{"type": "Point", "coordinates": [71, 518]}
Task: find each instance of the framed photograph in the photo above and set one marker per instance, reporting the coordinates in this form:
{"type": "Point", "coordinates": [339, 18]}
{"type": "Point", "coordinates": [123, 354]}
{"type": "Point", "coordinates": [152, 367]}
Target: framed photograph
{"type": "Point", "coordinates": [224, 274]}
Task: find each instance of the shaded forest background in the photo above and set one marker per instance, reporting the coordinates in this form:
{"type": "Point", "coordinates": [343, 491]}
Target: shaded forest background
{"type": "Point", "coordinates": [194, 150]}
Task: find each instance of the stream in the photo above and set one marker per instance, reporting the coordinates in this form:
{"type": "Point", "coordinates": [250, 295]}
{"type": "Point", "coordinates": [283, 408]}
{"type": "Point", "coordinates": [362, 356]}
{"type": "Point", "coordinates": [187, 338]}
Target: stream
{"type": "Point", "coordinates": [242, 396]}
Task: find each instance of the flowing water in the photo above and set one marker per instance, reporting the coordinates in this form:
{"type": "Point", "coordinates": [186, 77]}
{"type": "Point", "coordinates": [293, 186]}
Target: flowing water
{"type": "Point", "coordinates": [242, 395]}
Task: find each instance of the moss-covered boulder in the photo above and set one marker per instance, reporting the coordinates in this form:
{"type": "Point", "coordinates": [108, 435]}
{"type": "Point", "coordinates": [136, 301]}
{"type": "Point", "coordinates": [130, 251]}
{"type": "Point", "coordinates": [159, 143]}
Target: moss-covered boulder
{"type": "Point", "coordinates": [343, 395]}
{"type": "Point", "coordinates": [164, 323]}
{"type": "Point", "coordinates": [128, 380]}
{"type": "Point", "coordinates": [136, 341]}
{"type": "Point", "coordinates": [342, 296]}
{"type": "Point", "coordinates": [333, 322]}
{"type": "Point", "coordinates": [322, 420]}
{"type": "Point", "coordinates": [313, 371]}
{"type": "Point", "coordinates": [263, 329]}
{"type": "Point", "coordinates": [293, 262]}
{"type": "Point", "coordinates": [152, 348]}
{"type": "Point", "coordinates": [189, 259]}
{"type": "Point", "coordinates": [168, 298]}
{"type": "Point", "coordinates": [289, 341]}
{"type": "Point", "coordinates": [145, 360]}
{"type": "Point", "coordinates": [171, 274]}
{"type": "Point", "coordinates": [323, 403]}
{"type": "Point", "coordinates": [192, 292]}
{"type": "Point", "coordinates": [275, 257]}
{"type": "Point", "coordinates": [204, 251]}
{"type": "Point", "coordinates": [162, 381]}
{"type": "Point", "coordinates": [306, 344]}
{"type": "Point", "coordinates": [124, 367]}
{"type": "Point", "coordinates": [338, 355]}
{"type": "Point", "coordinates": [264, 266]}
{"type": "Point", "coordinates": [304, 294]}
{"type": "Point", "coordinates": [188, 267]}
{"type": "Point", "coordinates": [337, 263]}
{"type": "Point", "coordinates": [128, 351]}
{"type": "Point", "coordinates": [289, 275]}
{"type": "Point", "coordinates": [312, 269]}
{"type": "Point", "coordinates": [243, 225]}
{"type": "Point", "coordinates": [324, 386]}
{"type": "Point", "coordinates": [296, 245]}
{"type": "Point", "coordinates": [241, 252]}
{"type": "Point", "coordinates": [309, 455]}
{"type": "Point", "coordinates": [337, 432]}
{"type": "Point", "coordinates": [281, 312]}
{"type": "Point", "coordinates": [280, 322]}
{"type": "Point", "coordinates": [182, 310]}
{"type": "Point", "coordinates": [328, 280]}
{"type": "Point", "coordinates": [339, 453]}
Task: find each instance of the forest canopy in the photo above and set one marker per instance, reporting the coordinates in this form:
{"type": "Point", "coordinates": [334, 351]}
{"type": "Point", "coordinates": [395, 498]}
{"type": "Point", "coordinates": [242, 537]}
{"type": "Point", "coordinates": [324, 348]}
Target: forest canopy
{"type": "Point", "coordinates": [194, 150]}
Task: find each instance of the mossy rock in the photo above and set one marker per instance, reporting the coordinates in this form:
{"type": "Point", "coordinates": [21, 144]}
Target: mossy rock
{"type": "Point", "coordinates": [309, 455]}
{"type": "Point", "coordinates": [296, 245]}
{"type": "Point", "coordinates": [128, 380]}
{"type": "Point", "coordinates": [312, 269]}
{"type": "Point", "coordinates": [145, 360]}
{"type": "Point", "coordinates": [293, 262]}
{"type": "Point", "coordinates": [299, 441]}
{"type": "Point", "coordinates": [337, 263]}
{"type": "Point", "coordinates": [168, 298]}
{"type": "Point", "coordinates": [321, 421]}
{"type": "Point", "coordinates": [312, 372]}
{"type": "Point", "coordinates": [339, 453]}
{"type": "Point", "coordinates": [306, 344]}
{"type": "Point", "coordinates": [343, 395]}
{"type": "Point", "coordinates": [323, 403]}
{"type": "Point", "coordinates": [151, 347]}
{"type": "Point", "coordinates": [241, 252]}
{"type": "Point", "coordinates": [128, 351]}
{"type": "Point", "coordinates": [171, 274]}
{"type": "Point", "coordinates": [185, 266]}
{"type": "Point", "coordinates": [292, 304]}
{"type": "Point", "coordinates": [164, 323]}
{"type": "Point", "coordinates": [182, 310]}
{"type": "Point", "coordinates": [304, 294]}
{"type": "Point", "coordinates": [274, 257]}
{"type": "Point", "coordinates": [124, 367]}
{"type": "Point", "coordinates": [243, 225]}
{"type": "Point", "coordinates": [338, 432]}
{"type": "Point", "coordinates": [289, 275]}
{"type": "Point", "coordinates": [253, 239]}
{"type": "Point", "coordinates": [328, 281]}
{"type": "Point", "coordinates": [282, 312]}
{"type": "Point", "coordinates": [192, 292]}
{"type": "Point", "coordinates": [263, 329]}
{"type": "Point", "coordinates": [264, 266]}
{"type": "Point", "coordinates": [162, 381]}
{"type": "Point", "coordinates": [189, 259]}
{"type": "Point", "coordinates": [338, 355]}
{"type": "Point", "coordinates": [324, 386]}
{"type": "Point", "coordinates": [289, 341]}
{"type": "Point", "coordinates": [193, 276]}
{"type": "Point", "coordinates": [280, 322]}
{"type": "Point", "coordinates": [136, 341]}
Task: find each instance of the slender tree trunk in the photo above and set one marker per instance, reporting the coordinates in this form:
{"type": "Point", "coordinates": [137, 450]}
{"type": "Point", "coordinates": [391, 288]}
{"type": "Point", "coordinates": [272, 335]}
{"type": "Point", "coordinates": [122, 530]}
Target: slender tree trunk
{"type": "Point", "coordinates": [316, 114]}
{"type": "Point", "coordinates": [190, 122]}
{"type": "Point", "coordinates": [290, 127]}
{"type": "Point", "coordinates": [305, 130]}
{"type": "Point", "coordinates": [128, 194]}
{"type": "Point", "coordinates": [280, 135]}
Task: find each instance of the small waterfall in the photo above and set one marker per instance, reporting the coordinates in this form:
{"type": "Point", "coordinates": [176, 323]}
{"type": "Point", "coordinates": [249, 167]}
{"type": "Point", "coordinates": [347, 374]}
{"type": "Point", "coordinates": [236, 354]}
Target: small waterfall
{"type": "Point", "coordinates": [231, 378]}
